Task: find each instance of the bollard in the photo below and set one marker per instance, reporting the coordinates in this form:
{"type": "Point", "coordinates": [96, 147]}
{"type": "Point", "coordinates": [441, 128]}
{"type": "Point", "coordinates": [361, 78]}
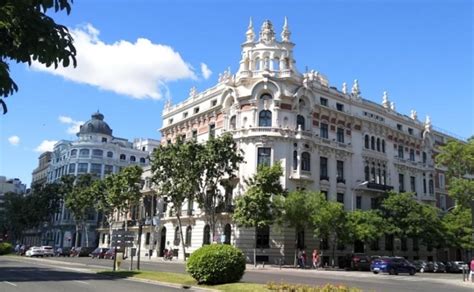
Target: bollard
{"type": "Point", "coordinates": [263, 265]}
{"type": "Point", "coordinates": [280, 264]}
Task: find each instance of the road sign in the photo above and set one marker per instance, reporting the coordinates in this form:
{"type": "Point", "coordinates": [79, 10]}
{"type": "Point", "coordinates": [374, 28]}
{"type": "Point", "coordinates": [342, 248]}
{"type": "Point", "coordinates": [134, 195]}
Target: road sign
{"type": "Point", "coordinates": [122, 238]}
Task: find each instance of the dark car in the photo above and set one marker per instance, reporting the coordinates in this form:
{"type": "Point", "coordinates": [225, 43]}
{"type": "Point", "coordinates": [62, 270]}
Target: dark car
{"type": "Point", "coordinates": [423, 266]}
{"type": "Point", "coordinates": [98, 252]}
{"type": "Point", "coordinates": [455, 267]}
{"type": "Point", "coordinates": [109, 254]}
{"type": "Point", "coordinates": [358, 262]}
{"type": "Point", "coordinates": [393, 266]}
{"type": "Point", "coordinates": [438, 267]}
{"type": "Point", "coordinates": [81, 251]}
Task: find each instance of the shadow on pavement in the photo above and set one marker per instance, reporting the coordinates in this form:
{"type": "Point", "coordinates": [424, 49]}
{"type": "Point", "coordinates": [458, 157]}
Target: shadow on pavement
{"type": "Point", "coordinates": [43, 274]}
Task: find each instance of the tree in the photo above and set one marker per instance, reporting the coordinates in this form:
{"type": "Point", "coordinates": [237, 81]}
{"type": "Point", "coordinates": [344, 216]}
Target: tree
{"type": "Point", "coordinates": [458, 158]}
{"type": "Point", "coordinates": [364, 226]}
{"type": "Point", "coordinates": [457, 224]}
{"type": "Point", "coordinates": [80, 201]}
{"type": "Point", "coordinates": [297, 207]}
{"type": "Point", "coordinates": [218, 161]}
{"type": "Point", "coordinates": [176, 173]}
{"type": "Point", "coordinates": [258, 207]}
{"type": "Point", "coordinates": [28, 35]}
{"type": "Point", "coordinates": [329, 221]}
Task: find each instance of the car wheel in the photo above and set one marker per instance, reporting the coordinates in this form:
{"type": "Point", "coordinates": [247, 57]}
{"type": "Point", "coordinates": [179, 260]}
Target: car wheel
{"type": "Point", "coordinates": [375, 272]}
{"type": "Point", "coordinates": [412, 272]}
{"type": "Point", "coordinates": [392, 271]}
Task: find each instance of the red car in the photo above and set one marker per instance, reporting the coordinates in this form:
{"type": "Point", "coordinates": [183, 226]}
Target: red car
{"type": "Point", "coordinates": [99, 253]}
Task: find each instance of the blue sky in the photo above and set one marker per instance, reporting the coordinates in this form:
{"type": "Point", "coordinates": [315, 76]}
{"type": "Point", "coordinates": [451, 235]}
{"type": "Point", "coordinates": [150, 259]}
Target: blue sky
{"type": "Point", "coordinates": [137, 53]}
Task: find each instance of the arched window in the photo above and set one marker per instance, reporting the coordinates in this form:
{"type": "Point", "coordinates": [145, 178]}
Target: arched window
{"type": "Point", "coordinates": [110, 154]}
{"type": "Point", "coordinates": [84, 152]}
{"type": "Point", "coordinates": [265, 118]}
{"type": "Point", "coordinates": [372, 172]}
{"type": "Point", "coordinates": [367, 173]}
{"type": "Point", "coordinates": [207, 235]}
{"type": "Point", "coordinates": [227, 233]}
{"type": "Point", "coordinates": [188, 235]}
{"type": "Point", "coordinates": [133, 159]}
{"type": "Point", "coordinates": [305, 161]}
{"type": "Point", "coordinates": [122, 157]}
{"type": "Point", "coordinates": [142, 160]}
{"type": "Point", "coordinates": [232, 122]}
{"type": "Point", "coordinates": [295, 160]}
{"type": "Point", "coordinates": [257, 64]}
{"type": "Point", "coordinates": [372, 143]}
{"type": "Point", "coordinates": [378, 144]}
{"type": "Point", "coordinates": [367, 142]}
{"type": "Point", "coordinates": [383, 146]}
{"type": "Point", "coordinates": [266, 96]}
{"type": "Point", "coordinates": [73, 152]}
{"type": "Point", "coordinates": [97, 152]}
{"type": "Point", "coordinates": [176, 236]}
{"type": "Point", "coordinates": [300, 122]}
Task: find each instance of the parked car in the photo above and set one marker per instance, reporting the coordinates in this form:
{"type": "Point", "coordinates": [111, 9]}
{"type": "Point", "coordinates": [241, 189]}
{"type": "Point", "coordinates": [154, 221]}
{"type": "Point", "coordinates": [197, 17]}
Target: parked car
{"type": "Point", "coordinates": [358, 262]}
{"type": "Point", "coordinates": [109, 254]}
{"type": "Point", "coordinates": [34, 251]}
{"type": "Point", "coordinates": [455, 267]}
{"type": "Point", "coordinates": [48, 251]}
{"type": "Point", "coordinates": [422, 266]}
{"type": "Point", "coordinates": [98, 252]}
{"type": "Point", "coordinates": [438, 267]}
{"type": "Point", "coordinates": [81, 251]}
{"type": "Point", "coordinates": [392, 265]}
{"type": "Point", "coordinates": [63, 252]}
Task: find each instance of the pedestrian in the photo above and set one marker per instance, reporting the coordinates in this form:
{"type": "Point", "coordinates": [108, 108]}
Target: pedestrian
{"type": "Point", "coordinates": [471, 273]}
{"type": "Point", "coordinates": [315, 258]}
{"type": "Point", "coordinates": [17, 248]}
{"type": "Point", "coordinates": [304, 259]}
{"type": "Point", "coordinates": [22, 249]}
{"type": "Point", "coordinates": [300, 258]}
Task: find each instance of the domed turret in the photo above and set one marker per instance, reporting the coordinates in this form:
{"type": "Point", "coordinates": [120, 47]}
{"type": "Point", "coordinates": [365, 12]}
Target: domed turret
{"type": "Point", "coordinates": [95, 125]}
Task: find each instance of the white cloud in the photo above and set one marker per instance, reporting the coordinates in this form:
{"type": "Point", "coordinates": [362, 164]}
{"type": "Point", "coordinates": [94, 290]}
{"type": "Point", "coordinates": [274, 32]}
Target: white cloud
{"type": "Point", "coordinates": [46, 145]}
{"type": "Point", "coordinates": [14, 140]}
{"type": "Point", "coordinates": [206, 72]}
{"type": "Point", "coordinates": [140, 70]}
{"type": "Point", "coordinates": [74, 125]}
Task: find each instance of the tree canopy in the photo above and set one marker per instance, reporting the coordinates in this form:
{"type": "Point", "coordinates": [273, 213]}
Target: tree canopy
{"type": "Point", "coordinates": [28, 34]}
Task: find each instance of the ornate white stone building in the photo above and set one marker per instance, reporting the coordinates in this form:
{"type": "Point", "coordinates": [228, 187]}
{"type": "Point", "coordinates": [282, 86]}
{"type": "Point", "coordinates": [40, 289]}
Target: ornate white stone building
{"type": "Point", "coordinates": [97, 152]}
{"type": "Point", "coordinates": [327, 139]}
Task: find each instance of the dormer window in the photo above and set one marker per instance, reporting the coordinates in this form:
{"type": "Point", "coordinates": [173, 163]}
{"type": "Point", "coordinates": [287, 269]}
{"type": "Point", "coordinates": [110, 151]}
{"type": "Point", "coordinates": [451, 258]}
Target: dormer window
{"type": "Point", "coordinates": [170, 121]}
{"type": "Point", "coordinates": [340, 107]}
{"type": "Point", "coordinates": [185, 115]}
{"type": "Point", "coordinates": [323, 101]}
{"type": "Point", "coordinates": [196, 110]}
{"type": "Point", "coordinates": [214, 102]}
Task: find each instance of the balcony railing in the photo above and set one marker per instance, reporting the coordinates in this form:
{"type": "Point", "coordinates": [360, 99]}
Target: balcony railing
{"type": "Point", "coordinates": [381, 187]}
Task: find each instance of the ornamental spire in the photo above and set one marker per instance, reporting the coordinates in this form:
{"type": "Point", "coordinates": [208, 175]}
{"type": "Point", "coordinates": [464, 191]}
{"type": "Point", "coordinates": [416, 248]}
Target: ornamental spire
{"type": "Point", "coordinates": [250, 34]}
{"type": "Point", "coordinates": [385, 102]}
{"type": "Point", "coordinates": [355, 88]}
{"type": "Point", "coordinates": [267, 35]}
{"type": "Point", "coordinates": [285, 34]}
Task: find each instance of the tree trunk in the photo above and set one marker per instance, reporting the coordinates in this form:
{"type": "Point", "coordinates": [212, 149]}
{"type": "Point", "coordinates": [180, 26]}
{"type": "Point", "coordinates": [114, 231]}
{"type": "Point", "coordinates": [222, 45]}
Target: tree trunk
{"type": "Point", "coordinates": [77, 236]}
{"type": "Point", "coordinates": [334, 250]}
{"type": "Point", "coordinates": [181, 235]}
{"type": "Point", "coordinates": [86, 234]}
{"type": "Point", "coordinates": [295, 261]}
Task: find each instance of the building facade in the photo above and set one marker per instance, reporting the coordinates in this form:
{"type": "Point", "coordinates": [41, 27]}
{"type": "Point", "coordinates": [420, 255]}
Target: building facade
{"type": "Point", "coordinates": [98, 152]}
{"type": "Point", "coordinates": [40, 174]}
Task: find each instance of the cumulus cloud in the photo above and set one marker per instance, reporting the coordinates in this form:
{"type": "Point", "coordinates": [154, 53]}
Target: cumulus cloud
{"type": "Point", "coordinates": [140, 69]}
{"type": "Point", "coordinates": [14, 140]}
{"type": "Point", "coordinates": [46, 145]}
{"type": "Point", "coordinates": [74, 126]}
{"type": "Point", "coordinates": [206, 72]}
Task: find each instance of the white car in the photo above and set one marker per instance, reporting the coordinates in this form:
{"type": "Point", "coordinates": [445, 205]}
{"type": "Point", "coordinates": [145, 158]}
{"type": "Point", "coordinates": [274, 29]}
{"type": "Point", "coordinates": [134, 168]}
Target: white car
{"type": "Point", "coordinates": [48, 251]}
{"type": "Point", "coordinates": [34, 251]}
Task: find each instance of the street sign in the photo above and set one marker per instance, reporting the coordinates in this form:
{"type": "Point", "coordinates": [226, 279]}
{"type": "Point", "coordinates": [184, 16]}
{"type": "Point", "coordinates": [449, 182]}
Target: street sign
{"type": "Point", "coordinates": [122, 238]}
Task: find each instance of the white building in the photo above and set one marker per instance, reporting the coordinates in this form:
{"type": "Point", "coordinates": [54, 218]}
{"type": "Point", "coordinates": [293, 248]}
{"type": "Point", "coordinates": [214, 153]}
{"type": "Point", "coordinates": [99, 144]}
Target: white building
{"type": "Point", "coordinates": [10, 185]}
{"type": "Point", "coordinates": [98, 152]}
{"type": "Point", "coordinates": [327, 139]}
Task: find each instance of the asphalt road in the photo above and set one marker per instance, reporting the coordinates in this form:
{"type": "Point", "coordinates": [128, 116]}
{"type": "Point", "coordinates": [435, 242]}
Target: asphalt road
{"type": "Point", "coordinates": [20, 275]}
{"type": "Point", "coordinates": [364, 280]}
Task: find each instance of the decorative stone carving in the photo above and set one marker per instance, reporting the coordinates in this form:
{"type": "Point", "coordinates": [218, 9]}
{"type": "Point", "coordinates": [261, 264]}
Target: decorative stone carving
{"type": "Point", "coordinates": [428, 126]}
{"type": "Point", "coordinates": [392, 106]}
{"type": "Point", "coordinates": [267, 35]}
{"type": "Point", "coordinates": [285, 34]}
{"type": "Point", "coordinates": [356, 89]}
{"type": "Point", "coordinates": [344, 88]}
{"type": "Point", "coordinates": [250, 34]}
{"type": "Point", "coordinates": [414, 115]}
{"type": "Point", "coordinates": [193, 91]}
{"type": "Point", "coordinates": [385, 102]}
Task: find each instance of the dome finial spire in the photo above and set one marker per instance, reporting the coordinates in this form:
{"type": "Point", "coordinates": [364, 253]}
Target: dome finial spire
{"type": "Point", "coordinates": [267, 35]}
{"type": "Point", "coordinates": [285, 34]}
{"type": "Point", "coordinates": [250, 34]}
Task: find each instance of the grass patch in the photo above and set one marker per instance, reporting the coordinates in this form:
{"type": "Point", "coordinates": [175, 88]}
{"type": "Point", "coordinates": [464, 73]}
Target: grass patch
{"type": "Point", "coordinates": [183, 279]}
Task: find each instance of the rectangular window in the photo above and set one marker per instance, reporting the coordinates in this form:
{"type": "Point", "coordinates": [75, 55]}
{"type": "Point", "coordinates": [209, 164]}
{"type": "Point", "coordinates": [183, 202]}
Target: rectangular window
{"type": "Point", "coordinates": [424, 157]}
{"type": "Point", "coordinates": [72, 168]}
{"type": "Point", "coordinates": [340, 198]}
{"type": "Point", "coordinates": [413, 184]}
{"type": "Point", "coordinates": [82, 168]}
{"type": "Point", "coordinates": [263, 237]}
{"type": "Point", "coordinates": [399, 127]}
{"type": "Point", "coordinates": [442, 202]}
{"type": "Point", "coordinates": [388, 242]}
{"type": "Point", "coordinates": [410, 131]}
{"type": "Point", "coordinates": [264, 156]}
{"type": "Point", "coordinates": [96, 168]}
{"type": "Point", "coordinates": [214, 102]}
{"type": "Point", "coordinates": [185, 115]}
{"type": "Point", "coordinates": [424, 185]}
{"type": "Point", "coordinates": [401, 183]}
{"type": "Point", "coordinates": [400, 151]}
{"type": "Point", "coordinates": [340, 135]}
{"type": "Point", "coordinates": [324, 101]}
{"type": "Point", "coordinates": [412, 155]}
{"type": "Point", "coordinates": [340, 171]}
{"type": "Point", "coordinates": [108, 169]}
{"type": "Point", "coordinates": [196, 110]}
{"type": "Point", "coordinates": [374, 203]}
{"type": "Point", "coordinates": [324, 131]}
{"type": "Point", "coordinates": [147, 238]}
{"type": "Point", "coordinates": [212, 131]}
{"type": "Point", "coordinates": [323, 168]}
{"type": "Point", "coordinates": [340, 107]}
{"type": "Point", "coordinates": [194, 133]}
{"type": "Point", "coordinates": [441, 181]}
{"type": "Point", "coordinates": [359, 202]}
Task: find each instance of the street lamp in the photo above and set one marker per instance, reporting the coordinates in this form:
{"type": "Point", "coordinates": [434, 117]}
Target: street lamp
{"type": "Point", "coordinates": [364, 183]}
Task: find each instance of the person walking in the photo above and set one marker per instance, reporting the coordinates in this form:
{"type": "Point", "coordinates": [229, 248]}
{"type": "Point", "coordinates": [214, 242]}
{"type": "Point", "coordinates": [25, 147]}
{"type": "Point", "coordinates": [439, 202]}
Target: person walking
{"type": "Point", "coordinates": [315, 257]}
{"type": "Point", "coordinates": [300, 258]}
{"type": "Point", "coordinates": [303, 259]}
{"type": "Point", "coordinates": [471, 273]}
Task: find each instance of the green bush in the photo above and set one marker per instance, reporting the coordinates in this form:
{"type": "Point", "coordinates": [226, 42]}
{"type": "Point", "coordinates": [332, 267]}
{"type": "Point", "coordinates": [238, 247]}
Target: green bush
{"type": "Point", "coordinates": [216, 264]}
{"type": "Point", "coordinates": [5, 248]}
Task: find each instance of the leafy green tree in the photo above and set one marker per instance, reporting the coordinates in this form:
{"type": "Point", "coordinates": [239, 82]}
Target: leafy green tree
{"type": "Point", "coordinates": [457, 224]}
{"type": "Point", "coordinates": [258, 207]}
{"type": "Point", "coordinates": [176, 173]}
{"type": "Point", "coordinates": [297, 207]}
{"type": "Point", "coordinates": [329, 221]}
{"type": "Point", "coordinates": [218, 161]}
{"type": "Point", "coordinates": [28, 34]}
{"type": "Point", "coordinates": [14, 215]}
{"type": "Point", "coordinates": [364, 226]}
{"type": "Point", "coordinates": [80, 201]}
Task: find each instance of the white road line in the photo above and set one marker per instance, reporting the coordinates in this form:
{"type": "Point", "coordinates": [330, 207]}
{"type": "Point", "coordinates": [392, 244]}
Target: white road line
{"type": "Point", "coordinates": [82, 282]}
{"type": "Point", "coordinates": [10, 283]}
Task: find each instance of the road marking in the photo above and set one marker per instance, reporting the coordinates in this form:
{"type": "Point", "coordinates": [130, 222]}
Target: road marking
{"type": "Point", "coordinates": [10, 283]}
{"type": "Point", "coordinates": [82, 282]}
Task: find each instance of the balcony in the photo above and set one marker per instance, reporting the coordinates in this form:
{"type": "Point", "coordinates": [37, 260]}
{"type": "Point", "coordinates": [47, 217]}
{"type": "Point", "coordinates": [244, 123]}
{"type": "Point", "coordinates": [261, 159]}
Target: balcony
{"type": "Point", "coordinates": [225, 208]}
{"type": "Point", "coordinates": [380, 187]}
{"type": "Point", "coordinates": [303, 175]}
